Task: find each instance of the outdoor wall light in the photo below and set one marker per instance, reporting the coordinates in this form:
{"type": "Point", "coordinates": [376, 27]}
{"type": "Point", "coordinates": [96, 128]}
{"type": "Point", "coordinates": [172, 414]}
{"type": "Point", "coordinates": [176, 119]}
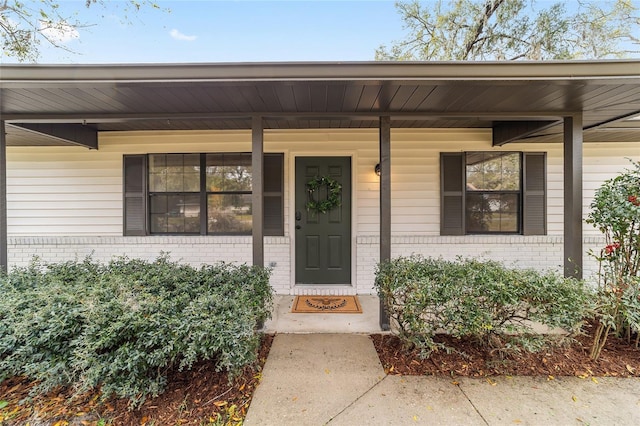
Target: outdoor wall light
{"type": "Point", "coordinates": [377, 169]}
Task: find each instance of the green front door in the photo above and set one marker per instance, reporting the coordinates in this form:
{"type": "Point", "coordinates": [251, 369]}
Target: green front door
{"type": "Point", "coordinates": [323, 240]}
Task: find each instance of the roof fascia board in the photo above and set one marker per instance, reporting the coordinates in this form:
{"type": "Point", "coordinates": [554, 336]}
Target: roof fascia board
{"type": "Point", "coordinates": [81, 118]}
{"type": "Point", "coordinates": [325, 71]}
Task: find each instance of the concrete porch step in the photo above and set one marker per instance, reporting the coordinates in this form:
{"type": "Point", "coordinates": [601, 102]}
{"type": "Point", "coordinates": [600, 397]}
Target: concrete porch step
{"type": "Point", "coordinates": [283, 321]}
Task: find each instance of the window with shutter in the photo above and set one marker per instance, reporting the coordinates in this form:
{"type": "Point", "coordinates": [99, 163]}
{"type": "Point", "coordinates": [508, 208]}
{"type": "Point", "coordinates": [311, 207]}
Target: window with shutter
{"type": "Point", "coordinates": [452, 194]}
{"type": "Point", "coordinates": [493, 193]}
{"type": "Point", "coordinates": [534, 205]}
{"type": "Point", "coordinates": [273, 194]}
{"type": "Point", "coordinates": [135, 195]}
{"type": "Point", "coordinates": [202, 194]}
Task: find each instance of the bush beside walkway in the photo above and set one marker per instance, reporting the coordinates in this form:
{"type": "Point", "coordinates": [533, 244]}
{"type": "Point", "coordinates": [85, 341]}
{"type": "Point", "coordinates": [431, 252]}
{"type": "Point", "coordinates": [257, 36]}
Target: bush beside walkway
{"type": "Point", "coordinates": [482, 300]}
{"type": "Point", "coordinates": [122, 326]}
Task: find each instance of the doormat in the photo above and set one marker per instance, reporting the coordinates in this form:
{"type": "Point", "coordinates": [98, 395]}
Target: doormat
{"type": "Point", "coordinates": [326, 305]}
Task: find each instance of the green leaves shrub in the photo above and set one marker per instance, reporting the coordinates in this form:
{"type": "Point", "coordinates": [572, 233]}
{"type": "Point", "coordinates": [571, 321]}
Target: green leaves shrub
{"type": "Point", "coordinates": [473, 298]}
{"type": "Point", "coordinates": [615, 211]}
{"type": "Point", "coordinates": [123, 325]}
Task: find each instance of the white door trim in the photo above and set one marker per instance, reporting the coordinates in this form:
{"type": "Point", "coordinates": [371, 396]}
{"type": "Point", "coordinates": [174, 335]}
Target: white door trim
{"type": "Point", "coordinates": [291, 208]}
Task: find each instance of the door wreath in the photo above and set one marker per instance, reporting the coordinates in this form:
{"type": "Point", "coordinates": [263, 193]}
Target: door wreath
{"type": "Point", "coordinates": [334, 189]}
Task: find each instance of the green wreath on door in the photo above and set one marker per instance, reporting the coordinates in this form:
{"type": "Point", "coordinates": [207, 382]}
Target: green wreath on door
{"type": "Point", "coordinates": [334, 190]}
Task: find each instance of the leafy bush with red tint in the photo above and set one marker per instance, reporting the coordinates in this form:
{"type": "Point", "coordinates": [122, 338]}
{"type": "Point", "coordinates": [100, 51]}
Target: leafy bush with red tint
{"type": "Point", "coordinates": [615, 211]}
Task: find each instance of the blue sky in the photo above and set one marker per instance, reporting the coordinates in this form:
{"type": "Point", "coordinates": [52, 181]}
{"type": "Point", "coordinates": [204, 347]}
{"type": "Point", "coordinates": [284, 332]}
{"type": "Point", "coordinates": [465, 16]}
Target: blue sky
{"type": "Point", "coordinates": [230, 31]}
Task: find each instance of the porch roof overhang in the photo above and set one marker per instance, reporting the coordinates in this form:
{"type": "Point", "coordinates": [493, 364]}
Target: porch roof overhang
{"type": "Point", "coordinates": [520, 101]}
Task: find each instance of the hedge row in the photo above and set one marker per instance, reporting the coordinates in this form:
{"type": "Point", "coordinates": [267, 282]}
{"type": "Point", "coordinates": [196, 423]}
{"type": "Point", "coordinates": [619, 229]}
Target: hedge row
{"type": "Point", "coordinates": [123, 325]}
{"type": "Point", "coordinates": [478, 299]}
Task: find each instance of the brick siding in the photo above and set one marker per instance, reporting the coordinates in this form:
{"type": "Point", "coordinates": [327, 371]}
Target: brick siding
{"type": "Point", "coordinates": [539, 252]}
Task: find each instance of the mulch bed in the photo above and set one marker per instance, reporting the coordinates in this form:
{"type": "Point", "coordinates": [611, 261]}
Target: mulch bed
{"type": "Point", "coordinates": [570, 358]}
{"type": "Point", "coordinates": [192, 397]}
{"type": "Point", "coordinates": [195, 397]}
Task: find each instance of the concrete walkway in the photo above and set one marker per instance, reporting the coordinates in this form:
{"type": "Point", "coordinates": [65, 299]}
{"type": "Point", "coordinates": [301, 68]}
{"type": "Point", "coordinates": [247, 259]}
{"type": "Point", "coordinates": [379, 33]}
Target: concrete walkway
{"type": "Point", "coordinates": [337, 379]}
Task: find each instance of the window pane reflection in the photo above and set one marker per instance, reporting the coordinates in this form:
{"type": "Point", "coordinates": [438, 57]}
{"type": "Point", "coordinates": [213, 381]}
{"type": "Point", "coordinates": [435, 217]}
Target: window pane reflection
{"type": "Point", "coordinates": [228, 172]}
{"type": "Point", "coordinates": [493, 171]}
{"type": "Point", "coordinates": [488, 212]}
{"type": "Point", "coordinates": [229, 213]}
{"type": "Point", "coordinates": [175, 213]}
{"type": "Point", "coordinates": [174, 173]}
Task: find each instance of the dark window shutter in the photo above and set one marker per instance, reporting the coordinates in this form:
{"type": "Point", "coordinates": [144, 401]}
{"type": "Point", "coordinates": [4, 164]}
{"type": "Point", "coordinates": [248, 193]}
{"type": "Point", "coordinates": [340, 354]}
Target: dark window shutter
{"type": "Point", "coordinates": [273, 194]}
{"type": "Point", "coordinates": [451, 193]}
{"type": "Point", "coordinates": [534, 204]}
{"type": "Point", "coordinates": [135, 194]}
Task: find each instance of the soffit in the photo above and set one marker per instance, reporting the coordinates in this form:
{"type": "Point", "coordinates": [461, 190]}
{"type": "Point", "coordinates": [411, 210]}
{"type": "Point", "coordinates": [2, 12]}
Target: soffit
{"type": "Point", "coordinates": [324, 95]}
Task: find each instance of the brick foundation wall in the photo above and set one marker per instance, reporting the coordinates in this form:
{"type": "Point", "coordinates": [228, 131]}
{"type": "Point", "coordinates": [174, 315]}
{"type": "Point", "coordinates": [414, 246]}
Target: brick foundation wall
{"type": "Point", "coordinates": [539, 252]}
{"type": "Point", "coordinates": [194, 250]}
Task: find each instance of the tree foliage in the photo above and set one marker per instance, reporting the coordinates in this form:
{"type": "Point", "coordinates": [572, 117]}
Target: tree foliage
{"type": "Point", "coordinates": [25, 24]}
{"type": "Point", "coordinates": [515, 29]}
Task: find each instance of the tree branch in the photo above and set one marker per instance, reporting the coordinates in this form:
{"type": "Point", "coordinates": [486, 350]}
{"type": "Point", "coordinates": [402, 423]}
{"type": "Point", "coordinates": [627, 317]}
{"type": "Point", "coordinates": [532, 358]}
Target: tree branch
{"type": "Point", "coordinates": [489, 9]}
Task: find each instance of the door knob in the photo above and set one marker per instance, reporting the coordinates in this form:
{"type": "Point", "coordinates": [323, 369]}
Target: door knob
{"type": "Point", "coordinates": [298, 227]}
{"type": "Point", "coordinates": [298, 215]}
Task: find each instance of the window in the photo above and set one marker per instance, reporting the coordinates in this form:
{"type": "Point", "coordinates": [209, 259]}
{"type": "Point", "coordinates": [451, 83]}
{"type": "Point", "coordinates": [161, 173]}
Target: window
{"type": "Point", "coordinates": [493, 193]}
{"type": "Point", "coordinates": [199, 194]}
{"type": "Point", "coordinates": [174, 193]}
{"type": "Point", "coordinates": [492, 200]}
{"type": "Point", "coordinates": [228, 193]}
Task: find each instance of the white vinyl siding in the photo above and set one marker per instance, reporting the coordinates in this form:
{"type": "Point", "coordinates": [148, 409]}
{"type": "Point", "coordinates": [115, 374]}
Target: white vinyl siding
{"type": "Point", "coordinates": [63, 191]}
{"type": "Point", "coordinates": [74, 191]}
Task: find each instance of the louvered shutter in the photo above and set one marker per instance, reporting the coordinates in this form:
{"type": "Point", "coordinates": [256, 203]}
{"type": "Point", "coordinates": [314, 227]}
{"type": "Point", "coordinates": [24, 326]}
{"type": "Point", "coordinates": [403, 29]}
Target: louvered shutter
{"type": "Point", "coordinates": [534, 194]}
{"type": "Point", "coordinates": [135, 194]}
{"type": "Point", "coordinates": [451, 193]}
{"type": "Point", "coordinates": [273, 194]}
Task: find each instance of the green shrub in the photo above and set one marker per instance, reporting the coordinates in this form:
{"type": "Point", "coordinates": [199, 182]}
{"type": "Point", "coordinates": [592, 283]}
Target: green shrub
{"type": "Point", "coordinates": [123, 325]}
{"type": "Point", "coordinates": [472, 298]}
{"type": "Point", "coordinates": [615, 211]}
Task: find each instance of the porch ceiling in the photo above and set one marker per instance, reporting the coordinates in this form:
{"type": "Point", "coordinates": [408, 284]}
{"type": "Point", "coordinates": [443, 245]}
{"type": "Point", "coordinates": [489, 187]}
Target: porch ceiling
{"type": "Point", "coordinates": [320, 95]}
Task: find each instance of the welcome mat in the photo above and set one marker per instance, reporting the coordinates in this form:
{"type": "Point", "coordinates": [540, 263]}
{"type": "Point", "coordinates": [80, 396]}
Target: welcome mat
{"type": "Point", "coordinates": [326, 305]}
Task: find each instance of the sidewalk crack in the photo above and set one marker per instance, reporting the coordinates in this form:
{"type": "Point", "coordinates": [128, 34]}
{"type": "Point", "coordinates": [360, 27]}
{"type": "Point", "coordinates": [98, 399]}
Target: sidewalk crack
{"type": "Point", "coordinates": [357, 399]}
{"type": "Point", "coordinates": [472, 404]}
